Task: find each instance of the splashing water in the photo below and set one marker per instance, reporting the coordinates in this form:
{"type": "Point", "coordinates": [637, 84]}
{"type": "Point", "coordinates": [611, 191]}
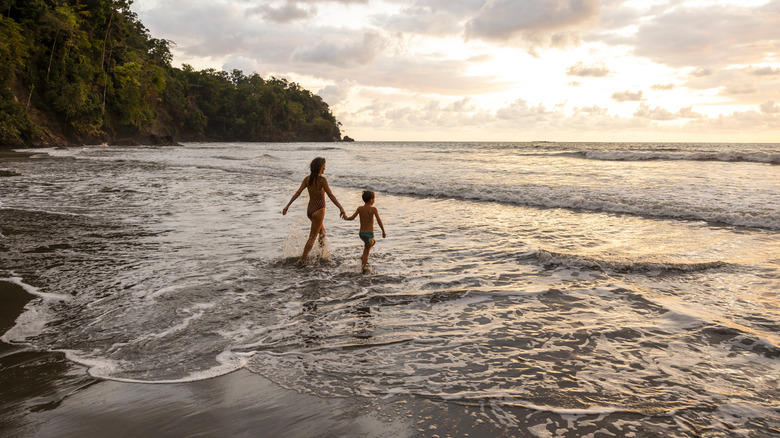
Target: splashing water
{"type": "Point", "coordinates": [296, 241]}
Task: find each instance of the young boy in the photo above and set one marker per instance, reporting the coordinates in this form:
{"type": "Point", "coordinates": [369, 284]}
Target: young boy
{"type": "Point", "coordinates": [367, 213]}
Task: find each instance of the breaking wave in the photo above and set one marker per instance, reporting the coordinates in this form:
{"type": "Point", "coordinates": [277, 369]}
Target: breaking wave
{"type": "Point", "coordinates": [640, 266]}
{"type": "Point", "coordinates": [734, 157]}
{"type": "Point", "coordinates": [578, 198]}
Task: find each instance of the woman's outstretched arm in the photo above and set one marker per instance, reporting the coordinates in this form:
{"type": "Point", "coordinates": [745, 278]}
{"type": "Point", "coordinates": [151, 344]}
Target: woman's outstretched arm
{"type": "Point", "coordinates": [333, 199]}
{"type": "Point", "coordinates": [295, 196]}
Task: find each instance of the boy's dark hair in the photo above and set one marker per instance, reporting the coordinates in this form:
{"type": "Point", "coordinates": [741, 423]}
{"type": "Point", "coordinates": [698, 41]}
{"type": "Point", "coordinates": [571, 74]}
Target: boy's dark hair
{"type": "Point", "coordinates": [368, 195]}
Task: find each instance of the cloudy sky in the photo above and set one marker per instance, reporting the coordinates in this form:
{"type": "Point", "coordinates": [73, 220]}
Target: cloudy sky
{"type": "Point", "coordinates": [503, 70]}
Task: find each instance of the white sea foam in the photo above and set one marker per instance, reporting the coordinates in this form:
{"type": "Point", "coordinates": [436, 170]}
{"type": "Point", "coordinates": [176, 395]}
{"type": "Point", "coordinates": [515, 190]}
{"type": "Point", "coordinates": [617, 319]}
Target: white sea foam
{"type": "Point", "coordinates": [108, 369]}
{"type": "Point", "coordinates": [34, 290]}
{"type": "Point", "coordinates": [30, 323]}
{"type": "Point", "coordinates": [101, 368]}
{"type": "Point", "coordinates": [754, 157]}
{"type": "Point", "coordinates": [34, 318]}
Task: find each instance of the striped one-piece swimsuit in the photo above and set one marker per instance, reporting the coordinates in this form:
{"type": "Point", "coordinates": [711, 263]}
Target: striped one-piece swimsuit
{"type": "Point", "coordinates": [316, 199]}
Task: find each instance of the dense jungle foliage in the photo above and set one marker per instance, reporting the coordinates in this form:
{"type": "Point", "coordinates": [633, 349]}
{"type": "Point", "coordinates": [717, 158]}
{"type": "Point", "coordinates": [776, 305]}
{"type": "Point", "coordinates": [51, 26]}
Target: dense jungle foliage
{"type": "Point", "coordinates": [87, 71]}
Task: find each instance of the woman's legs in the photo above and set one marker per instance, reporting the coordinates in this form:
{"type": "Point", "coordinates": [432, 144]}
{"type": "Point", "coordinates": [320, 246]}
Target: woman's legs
{"type": "Point", "coordinates": [316, 228]}
{"type": "Point", "coordinates": [322, 234]}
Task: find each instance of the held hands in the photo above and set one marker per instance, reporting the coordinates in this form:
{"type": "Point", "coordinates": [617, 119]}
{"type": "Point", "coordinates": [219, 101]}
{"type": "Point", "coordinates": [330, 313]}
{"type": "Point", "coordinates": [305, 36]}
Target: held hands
{"type": "Point", "coordinates": [342, 214]}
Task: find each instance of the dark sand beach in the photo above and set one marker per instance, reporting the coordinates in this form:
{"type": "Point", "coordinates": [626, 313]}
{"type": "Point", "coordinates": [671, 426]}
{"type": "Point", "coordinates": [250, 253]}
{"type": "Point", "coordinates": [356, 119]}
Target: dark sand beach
{"type": "Point", "coordinates": [44, 394]}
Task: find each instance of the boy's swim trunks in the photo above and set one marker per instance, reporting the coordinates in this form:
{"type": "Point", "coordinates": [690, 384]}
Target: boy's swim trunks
{"type": "Point", "coordinates": [367, 236]}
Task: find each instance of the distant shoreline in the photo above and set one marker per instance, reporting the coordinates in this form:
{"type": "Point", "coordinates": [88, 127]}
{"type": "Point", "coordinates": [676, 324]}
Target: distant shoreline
{"type": "Point", "coordinates": [10, 153]}
{"type": "Point", "coordinates": [7, 150]}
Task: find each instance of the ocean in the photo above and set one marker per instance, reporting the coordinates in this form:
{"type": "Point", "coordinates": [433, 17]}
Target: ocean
{"type": "Point", "coordinates": [546, 288]}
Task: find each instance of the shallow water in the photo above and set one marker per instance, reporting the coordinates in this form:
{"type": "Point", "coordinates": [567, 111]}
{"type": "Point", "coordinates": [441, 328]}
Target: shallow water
{"type": "Point", "coordinates": [571, 279]}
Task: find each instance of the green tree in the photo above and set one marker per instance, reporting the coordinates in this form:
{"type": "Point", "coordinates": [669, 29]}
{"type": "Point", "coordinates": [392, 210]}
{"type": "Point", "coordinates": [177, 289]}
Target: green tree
{"type": "Point", "coordinates": [88, 70]}
{"type": "Point", "coordinates": [13, 52]}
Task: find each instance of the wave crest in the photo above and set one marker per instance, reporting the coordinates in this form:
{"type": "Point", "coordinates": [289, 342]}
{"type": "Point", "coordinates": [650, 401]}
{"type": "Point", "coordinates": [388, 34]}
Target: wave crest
{"type": "Point", "coordinates": [670, 155]}
{"type": "Point", "coordinates": [551, 258]}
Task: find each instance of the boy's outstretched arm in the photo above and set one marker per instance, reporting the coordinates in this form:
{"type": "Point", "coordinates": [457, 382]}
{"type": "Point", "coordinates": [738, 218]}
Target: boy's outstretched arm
{"type": "Point", "coordinates": [379, 221]}
{"type": "Point", "coordinates": [351, 217]}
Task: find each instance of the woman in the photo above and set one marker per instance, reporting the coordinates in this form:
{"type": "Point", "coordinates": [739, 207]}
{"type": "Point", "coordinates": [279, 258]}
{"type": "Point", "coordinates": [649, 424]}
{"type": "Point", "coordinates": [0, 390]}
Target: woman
{"type": "Point", "coordinates": [317, 186]}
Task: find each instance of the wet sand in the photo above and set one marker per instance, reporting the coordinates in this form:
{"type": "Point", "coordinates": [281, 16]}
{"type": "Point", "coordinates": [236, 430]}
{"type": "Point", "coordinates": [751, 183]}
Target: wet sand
{"type": "Point", "coordinates": [42, 394]}
{"type": "Point", "coordinates": [45, 395]}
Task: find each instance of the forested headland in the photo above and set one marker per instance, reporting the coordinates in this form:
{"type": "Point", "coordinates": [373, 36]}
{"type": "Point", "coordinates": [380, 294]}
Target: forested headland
{"type": "Point", "coordinates": [89, 72]}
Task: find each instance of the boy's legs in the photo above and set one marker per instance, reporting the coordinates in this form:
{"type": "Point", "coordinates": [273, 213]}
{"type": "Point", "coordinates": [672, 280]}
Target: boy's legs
{"type": "Point", "coordinates": [366, 248]}
{"type": "Point", "coordinates": [369, 241]}
{"type": "Point", "coordinates": [364, 258]}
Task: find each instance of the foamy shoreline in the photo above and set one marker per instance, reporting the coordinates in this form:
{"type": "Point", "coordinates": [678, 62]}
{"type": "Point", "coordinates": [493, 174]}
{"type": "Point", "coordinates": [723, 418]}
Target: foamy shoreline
{"type": "Point", "coordinates": [46, 395]}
